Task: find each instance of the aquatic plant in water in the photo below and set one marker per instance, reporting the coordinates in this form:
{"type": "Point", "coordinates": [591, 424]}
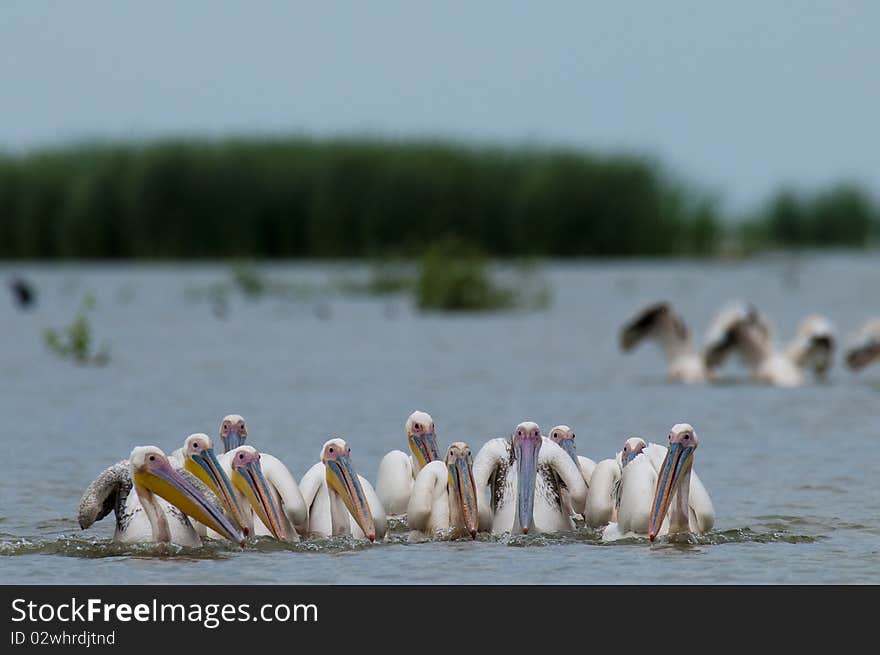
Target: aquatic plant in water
{"type": "Point", "coordinates": [75, 341]}
{"type": "Point", "coordinates": [386, 277]}
{"type": "Point", "coordinates": [456, 276]}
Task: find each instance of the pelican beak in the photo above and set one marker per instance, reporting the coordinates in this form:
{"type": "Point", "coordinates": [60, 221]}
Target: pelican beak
{"type": "Point", "coordinates": [526, 452]}
{"type": "Point", "coordinates": [248, 478]}
{"type": "Point", "coordinates": [232, 440]}
{"type": "Point", "coordinates": [206, 468]}
{"type": "Point", "coordinates": [461, 479]}
{"type": "Point", "coordinates": [164, 481]}
{"type": "Point", "coordinates": [342, 478]}
{"type": "Point", "coordinates": [679, 460]}
{"type": "Point", "coordinates": [569, 447]}
{"type": "Point", "coordinates": [424, 447]}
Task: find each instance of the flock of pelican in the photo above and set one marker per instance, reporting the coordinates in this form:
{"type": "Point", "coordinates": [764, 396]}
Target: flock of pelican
{"type": "Point", "coordinates": [525, 484]}
{"type": "Point", "coordinates": [740, 329]}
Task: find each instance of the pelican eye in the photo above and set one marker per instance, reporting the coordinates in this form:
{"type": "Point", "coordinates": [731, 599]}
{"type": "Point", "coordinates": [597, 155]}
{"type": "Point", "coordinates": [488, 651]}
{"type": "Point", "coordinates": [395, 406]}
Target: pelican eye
{"type": "Point", "coordinates": [417, 427]}
{"type": "Point", "coordinates": [152, 458]}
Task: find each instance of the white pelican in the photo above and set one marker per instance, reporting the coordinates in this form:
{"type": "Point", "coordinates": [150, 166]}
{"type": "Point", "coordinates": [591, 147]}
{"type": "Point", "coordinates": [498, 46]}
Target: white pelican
{"type": "Point", "coordinates": [281, 486]}
{"type": "Point", "coordinates": [397, 470]}
{"type": "Point", "coordinates": [604, 494]}
{"type": "Point", "coordinates": [339, 500]}
{"type": "Point", "coordinates": [271, 492]}
{"type": "Point", "coordinates": [749, 335]}
{"type": "Point", "coordinates": [443, 501]}
{"type": "Point", "coordinates": [197, 456]}
{"type": "Point", "coordinates": [526, 474]}
{"type": "Point", "coordinates": [564, 437]}
{"type": "Point", "coordinates": [864, 347]}
{"type": "Point", "coordinates": [648, 484]}
{"type": "Point", "coordinates": [660, 322]}
{"type": "Point", "coordinates": [157, 511]}
{"type": "Point", "coordinates": [238, 479]}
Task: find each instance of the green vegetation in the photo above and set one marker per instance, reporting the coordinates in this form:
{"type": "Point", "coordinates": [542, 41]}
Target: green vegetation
{"type": "Point", "coordinates": [75, 341]}
{"type": "Point", "coordinates": [455, 276]}
{"type": "Point", "coordinates": [344, 198]}
{"type": "Point", "coordinates": [841, 216]}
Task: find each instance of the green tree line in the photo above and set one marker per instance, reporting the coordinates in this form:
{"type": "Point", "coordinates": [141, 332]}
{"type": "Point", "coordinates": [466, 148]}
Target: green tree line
{"type": "Point", "coordinates": [300, 197]}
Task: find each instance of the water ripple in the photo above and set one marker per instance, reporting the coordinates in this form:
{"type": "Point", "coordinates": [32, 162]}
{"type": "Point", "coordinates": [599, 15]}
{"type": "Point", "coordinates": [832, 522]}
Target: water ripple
{"type": "Point", "coordinates": [74, 546]}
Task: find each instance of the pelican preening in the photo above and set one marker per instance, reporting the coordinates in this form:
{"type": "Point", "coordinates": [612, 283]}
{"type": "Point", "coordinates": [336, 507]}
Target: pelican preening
{"type": "Point", "coordinates": [864, 347]}
{"type": "Point", "coordinates": [654, 479]}
{"type": "Point", "coordinates": [737, 328]}
{"type": "Point", "coordinates": [340, 501]}
{"type": "Point", "coordinates": [525, 475]}
{"type": "Point", "coordinates": [398, 471]}
{"type": "Point", "coordinates": [444, 500]}
{"type": "Point", "coordinates": [158, 510]}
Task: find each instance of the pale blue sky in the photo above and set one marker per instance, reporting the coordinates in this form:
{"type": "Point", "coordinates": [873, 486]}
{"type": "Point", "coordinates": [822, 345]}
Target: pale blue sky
{"type": "Point", "coordinates": [740, 98]}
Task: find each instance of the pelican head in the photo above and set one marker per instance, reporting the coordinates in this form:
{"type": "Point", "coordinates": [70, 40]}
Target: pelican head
{"type": "Point", "coordinates": [526, 446]}
{"type": "Point", "coordinates": [632, 447]}
{"type": "Point", "coordinates": [233, 432]}
{"type": "Point", "coordinates": [422, 440]}
{"type": "Point", "coordinates": [248, 478]}
{"type": "Point", "coordinates": [462, 485]}
{"type": "Point", "coordinates": [674, 470]}
{"type": "Point", "coordinates": [200, 460]}
{"type": "Point", "coordinates": [152, 472]}
{"type": "Point", "coordinates": [564, 437]}
{"type": "Point", "coordinates": [343, 480]}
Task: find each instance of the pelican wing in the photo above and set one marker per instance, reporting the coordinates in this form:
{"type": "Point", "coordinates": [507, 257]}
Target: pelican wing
{"type": "Point", "coordinates": [864, 347]}
{"type": "Point", "coordinates": [587, 466]}
{"type": "Point", "coordinates": [106, 493]}
{"type": "Point", "coordinates": [652, 318]}
{"type": "Point", "coordinates": [429, 486]}
{"type": "Point", "coordinates": [601, 499]}
{"type": "Point", "coordinates": [490, 470]}
{"type": "Point", "coordinates": [559, 461]}
{"type": "Point", "coordinates": [394, 481]}
{"type": "Point", "coordinates": [376, 509]}
{"type": "Point", "coordinates": [310, 484]}
{"type": "Point", "coordinates": [638, 482]}
{"type": "Point", "coordinates": [292, 500]}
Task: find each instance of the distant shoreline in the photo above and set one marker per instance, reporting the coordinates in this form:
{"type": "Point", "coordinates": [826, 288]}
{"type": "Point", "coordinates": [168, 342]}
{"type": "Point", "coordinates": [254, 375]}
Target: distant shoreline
{"type": "Point", "coordinates": [361, 198]}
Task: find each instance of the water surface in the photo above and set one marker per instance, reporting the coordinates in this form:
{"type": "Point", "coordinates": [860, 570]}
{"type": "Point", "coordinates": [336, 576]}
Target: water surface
{"type": "Point", "coordinates": [792, 472]}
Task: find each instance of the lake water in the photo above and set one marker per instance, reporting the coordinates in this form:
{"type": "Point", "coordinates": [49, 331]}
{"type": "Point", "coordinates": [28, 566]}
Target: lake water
{"type": "Point", "coordinates": [793, 473]}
